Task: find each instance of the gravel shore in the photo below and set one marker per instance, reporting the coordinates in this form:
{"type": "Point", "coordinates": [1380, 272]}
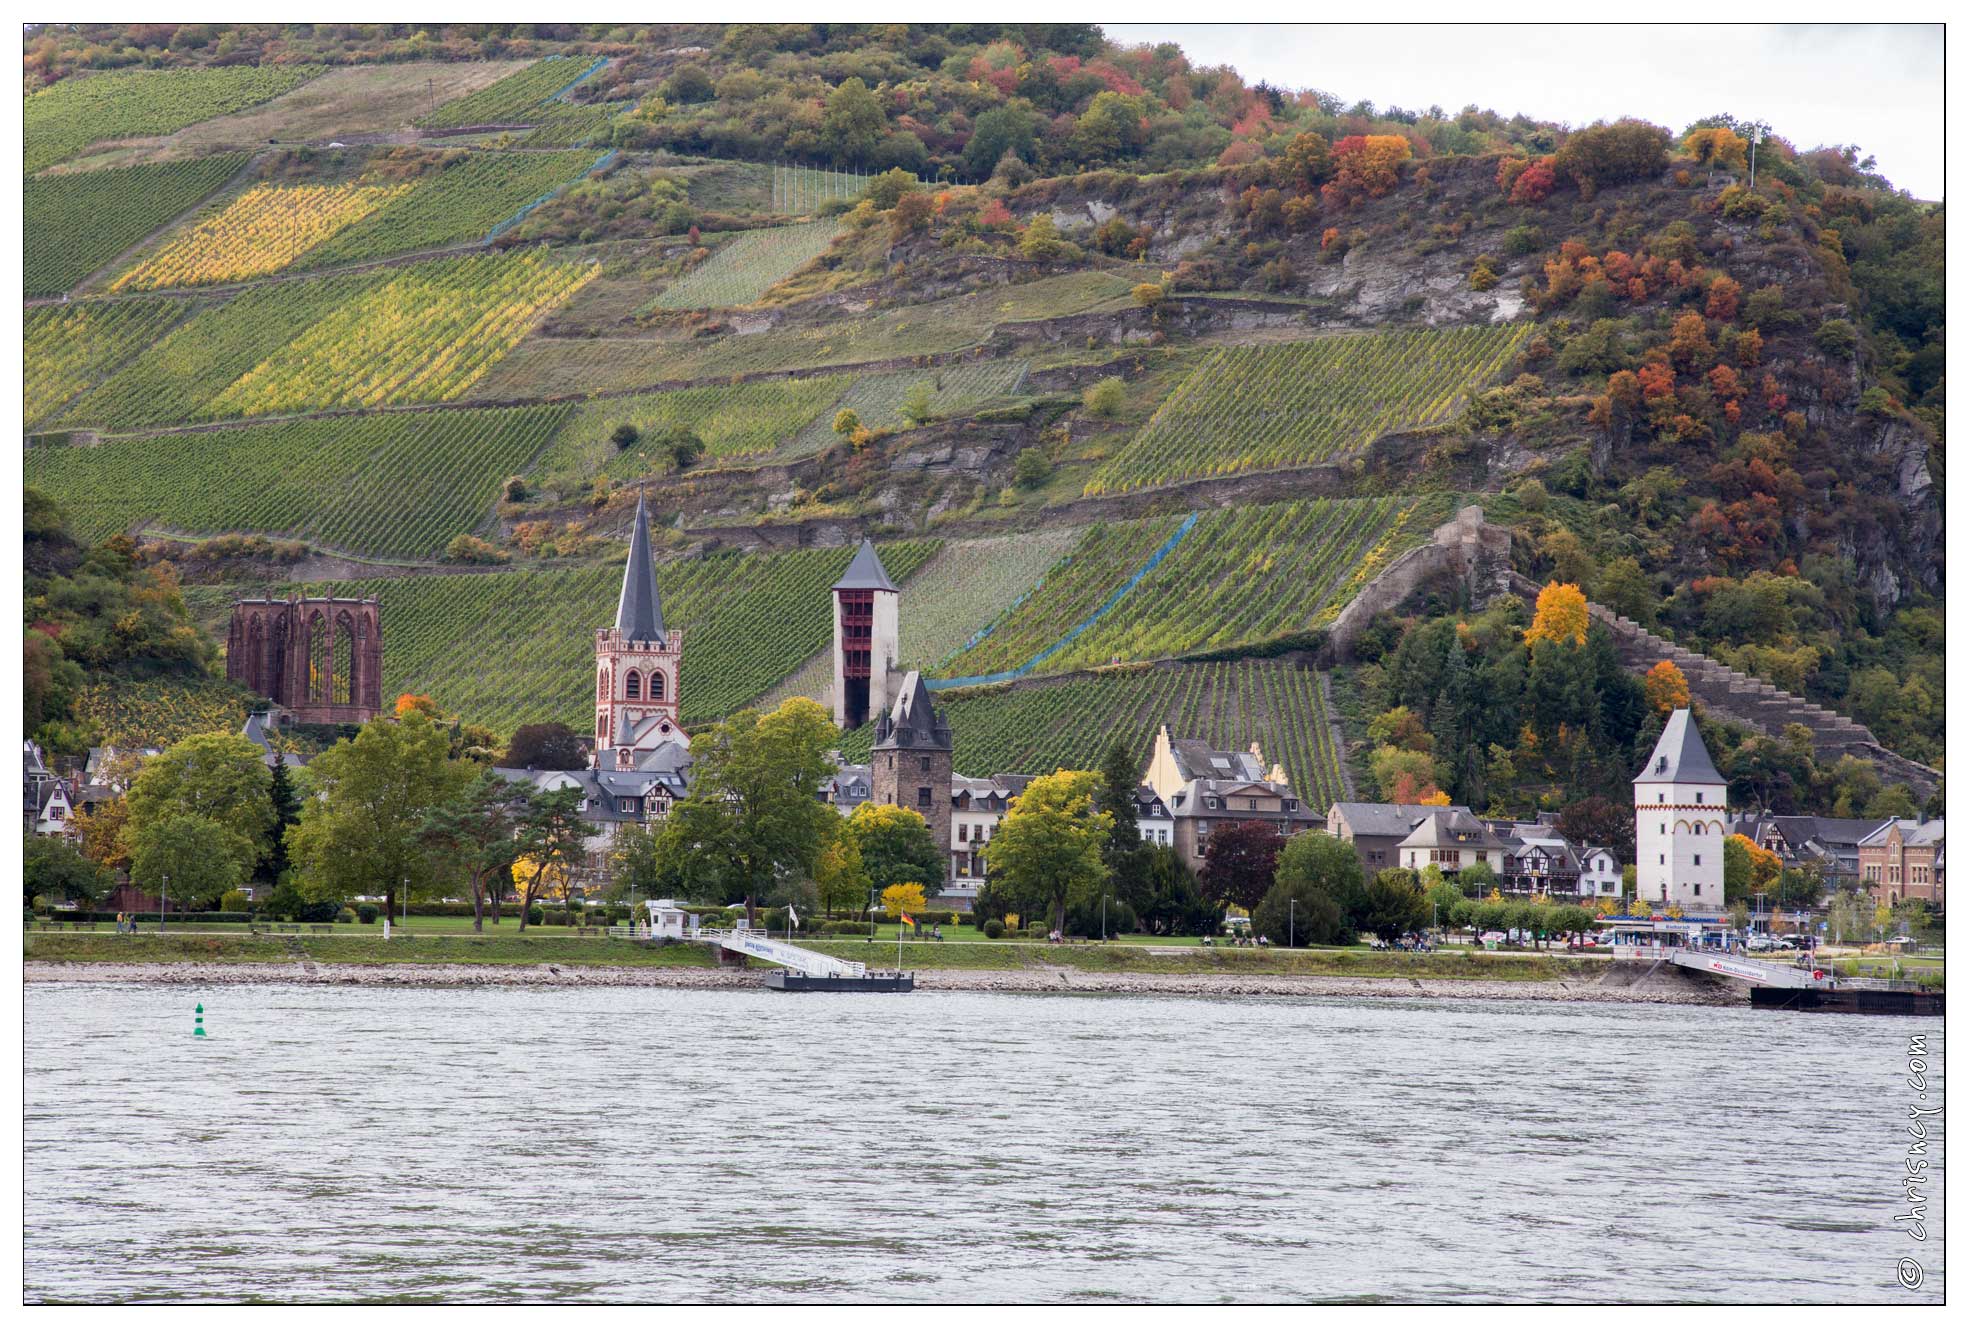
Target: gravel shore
{"type": "Point", "coordinates": [1052, 980]}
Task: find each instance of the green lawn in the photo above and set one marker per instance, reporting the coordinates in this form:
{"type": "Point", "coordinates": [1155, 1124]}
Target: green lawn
{"type": "Point", "coordinates": [506, 946]}
{"type": "Point", "coordinates": [368, 948]}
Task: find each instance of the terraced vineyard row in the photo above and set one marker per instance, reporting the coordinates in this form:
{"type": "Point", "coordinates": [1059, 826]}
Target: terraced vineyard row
{"type": "Point", "coordinates": [1071, 721]}
{"type": "Point", "coordinates": [98, 108]}
{"type": "Point", "coordinates": [735, 420]}
{"type": "Point", "coordinates": [427, 335]}
{"type": "Point", "coordinates": [69, 347]}
{"type": "Point", "coordinates": [748, 265]}
{"type": "Point", "coordinates": [157, 712]}
{"type": "Point", "coordinates": [877, 399]}
{"type": "Point", "coordinates": [462, 203]}
{"type": "Point", "coordinates": [1244, 575]}
{"type": "Point", "coordinates": [510, 648]}
{"type": "Point", "coordinates": [261, 231]}
{"type": "Point", "coordinates": [603, 364]}
{"type": "Point", "coordinates": [1256, 407]}
{"type": "Point", "coordinates": [515, 99]}
{"type": "Point", "coordinates": [394, 485]}
{"type": "Point", "coordinates": [1073, 588]}
{"type": "Point", "coordinates": [969, 584]}
{"type": "Point", "coordinates": [75, 223]}
{"type": "Point", "coordinates": [174, 379]}
{"type": "Point", "coordinates": [577, 125]}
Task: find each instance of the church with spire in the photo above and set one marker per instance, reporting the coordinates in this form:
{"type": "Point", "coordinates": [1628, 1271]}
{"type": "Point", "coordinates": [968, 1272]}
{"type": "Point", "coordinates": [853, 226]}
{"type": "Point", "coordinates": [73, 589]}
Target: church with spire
{"type": "Point", "coordinates": [639, 671]}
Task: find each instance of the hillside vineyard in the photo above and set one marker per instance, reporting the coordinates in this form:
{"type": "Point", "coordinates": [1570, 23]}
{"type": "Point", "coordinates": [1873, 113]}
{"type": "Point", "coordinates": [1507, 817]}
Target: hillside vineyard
{"type": "Point", "coordinates": [1160, 395]}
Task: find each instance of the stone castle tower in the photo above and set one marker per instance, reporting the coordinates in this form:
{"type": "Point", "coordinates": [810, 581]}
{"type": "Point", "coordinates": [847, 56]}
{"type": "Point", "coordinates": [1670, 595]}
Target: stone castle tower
{"type": "Point", "coordinates": [867, 639]}
{"type": "Point", "coordinates": [1681, 809]}
{"type": "Point", "coordinates": [638, 666]}
{"type": "Point", "coordinates": [909, 764]}
{"type": "Point", "coordinates": [319, 658]}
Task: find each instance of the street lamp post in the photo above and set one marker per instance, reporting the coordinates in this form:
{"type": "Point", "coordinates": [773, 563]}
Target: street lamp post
{"type": "Point", "coordinates": [871, 914]}
{"type": "Point", "coordinates": [163, 902]}
{"type": "Point", "coordinates": [403, 913]}
{"type": "Point", "coordinates": [1104, 916]}
{"type": "Point", "coordinates": [1291, 922]}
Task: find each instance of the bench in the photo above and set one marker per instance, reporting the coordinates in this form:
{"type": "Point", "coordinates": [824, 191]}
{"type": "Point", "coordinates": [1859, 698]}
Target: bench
{"type": "Point", "coordinates": [289, 927]}
{"type": "Point", "coordinates": [321, 927]}
{"type": "Point", "coordinates": [587, 932]}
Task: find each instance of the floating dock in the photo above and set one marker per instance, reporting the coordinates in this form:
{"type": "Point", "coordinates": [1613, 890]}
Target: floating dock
{"type": "Point", "coordinates": [787, 980]}
{"type": "Point", "coordinates": [1848, 1000]}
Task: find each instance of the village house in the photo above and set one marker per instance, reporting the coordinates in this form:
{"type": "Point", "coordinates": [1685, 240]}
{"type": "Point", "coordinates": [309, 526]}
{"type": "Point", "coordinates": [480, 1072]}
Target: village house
{"type": "Point", "coordinates": [1829, 844]}
{"type": "Point", "coordinates": [1902, 860]}
{"type": "Point", "coordinates": [1205, 788]}
{"type": "Point", "coordinates": [1599, 873]}
{"type": "Point", "coordinates": [1451, 839]}
{"type": "Point", "coordinates": [1376, 830]}
{"type": "Point", "coordinates": [1153, 818]}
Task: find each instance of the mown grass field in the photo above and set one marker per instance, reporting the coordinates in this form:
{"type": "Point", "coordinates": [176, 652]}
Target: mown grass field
{"type": "Point", "coordinates": [748, 621]}
{"type": "Point", "coordinates": [1256, 407]}
{"type": "Point", "coordinates": [397, 485]}
{"type": "Point", "coordinates": [748, 265]}
{"type": "Point", "coordinates": [77, 222]}
{"type": "Point", "coordinates": [60, 121]}
{"type": "Point", "coordinates": [612, 364]}
{"type": "Point", "coordinates": [1071, 721]}
{"type": "Point", "coordinates": [346, 946]}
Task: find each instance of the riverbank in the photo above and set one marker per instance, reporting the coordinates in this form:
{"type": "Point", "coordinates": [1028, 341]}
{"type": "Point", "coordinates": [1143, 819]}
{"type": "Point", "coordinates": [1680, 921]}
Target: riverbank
{"type": "Point", "coordinates": [1606, 987]}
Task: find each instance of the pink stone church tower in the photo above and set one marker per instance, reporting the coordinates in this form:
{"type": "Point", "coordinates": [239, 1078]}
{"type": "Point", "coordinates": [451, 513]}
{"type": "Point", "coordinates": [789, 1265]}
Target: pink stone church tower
{"type": "Point", "coordinates": [638, 667]}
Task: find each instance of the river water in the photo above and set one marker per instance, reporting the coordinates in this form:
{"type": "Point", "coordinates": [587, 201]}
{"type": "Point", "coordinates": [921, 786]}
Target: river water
{"type": "Point", "coordinates": [634, 1144]}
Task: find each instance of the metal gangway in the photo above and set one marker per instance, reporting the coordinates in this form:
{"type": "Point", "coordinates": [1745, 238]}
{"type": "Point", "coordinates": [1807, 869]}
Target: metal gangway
{"type": "Point", "coordinates": [1723, 964]}
{"type": "Point", "coordinates": [797, 958]}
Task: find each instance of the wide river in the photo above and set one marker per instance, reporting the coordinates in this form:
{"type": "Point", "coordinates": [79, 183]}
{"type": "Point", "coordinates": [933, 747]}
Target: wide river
{"type": "Point", "coordinates": [629, 1144]}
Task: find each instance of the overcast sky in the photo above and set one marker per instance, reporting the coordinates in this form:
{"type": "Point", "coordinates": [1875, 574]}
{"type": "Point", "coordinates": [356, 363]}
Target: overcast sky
{"type": "Point", "coordinates": [1877, 86]}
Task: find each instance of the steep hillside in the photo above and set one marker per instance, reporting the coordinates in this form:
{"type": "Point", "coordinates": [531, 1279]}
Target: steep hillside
{"type": "Point", "coordinates": [1162, 369]}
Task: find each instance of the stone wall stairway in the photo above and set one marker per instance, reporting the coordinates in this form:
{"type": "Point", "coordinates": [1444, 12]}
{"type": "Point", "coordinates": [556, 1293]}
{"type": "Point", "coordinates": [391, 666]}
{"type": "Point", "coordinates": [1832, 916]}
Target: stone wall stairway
{"type": "Point", "coordinates": [1734, 695]}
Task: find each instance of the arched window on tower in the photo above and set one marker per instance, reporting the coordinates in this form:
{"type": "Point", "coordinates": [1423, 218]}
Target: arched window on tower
{"type": "Point", "coordinates": [632, 686]}
{"type": "Point", "coordinates": [656, 685]}
{"type": "Point", "coordinates": [601, 685]}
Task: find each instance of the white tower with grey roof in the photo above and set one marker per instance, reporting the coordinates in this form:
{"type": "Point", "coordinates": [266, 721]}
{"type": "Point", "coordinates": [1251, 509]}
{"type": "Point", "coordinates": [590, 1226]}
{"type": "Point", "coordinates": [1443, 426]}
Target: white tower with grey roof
{"type": "Point", "coordinates": [1681, 810]}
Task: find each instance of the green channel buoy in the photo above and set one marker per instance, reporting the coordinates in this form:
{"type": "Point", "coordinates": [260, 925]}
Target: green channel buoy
{"type": "Point", "coordinates": [198, 1021]}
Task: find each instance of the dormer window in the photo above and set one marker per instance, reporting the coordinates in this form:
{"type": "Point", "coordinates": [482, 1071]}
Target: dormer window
{"type": "Point", "coordinates": [1210, 802]}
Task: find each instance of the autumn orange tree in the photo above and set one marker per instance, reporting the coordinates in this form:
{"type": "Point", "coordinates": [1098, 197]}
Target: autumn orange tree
{"type": "Point", "coordinates": [1366, 166]}
{"type": "Point", "coordinates": [1665, 687]}
{"type": "Point", "coordinates": [1560, 616]}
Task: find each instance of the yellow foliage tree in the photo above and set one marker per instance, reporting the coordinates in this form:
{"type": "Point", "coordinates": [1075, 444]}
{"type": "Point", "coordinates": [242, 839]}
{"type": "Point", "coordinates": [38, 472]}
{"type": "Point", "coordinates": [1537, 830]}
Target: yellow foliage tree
{"type": "Point", "coordinates": [1718, 147]}
{"type": "Point", "coordinates": [1439, 799]}
{"type": "Point", "coordinates": [1561, 615]}
{"type": "Point", "coordinates": [1665, 687]}
{"type": "Point", "coordinates": [904, 897]}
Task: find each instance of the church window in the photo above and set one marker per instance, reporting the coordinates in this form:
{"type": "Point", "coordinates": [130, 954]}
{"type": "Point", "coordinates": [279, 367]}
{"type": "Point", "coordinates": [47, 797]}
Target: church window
{"type": "Point", "coordinates": [656, 685]}
{"type": "Point", "coordinates": [632, 686]}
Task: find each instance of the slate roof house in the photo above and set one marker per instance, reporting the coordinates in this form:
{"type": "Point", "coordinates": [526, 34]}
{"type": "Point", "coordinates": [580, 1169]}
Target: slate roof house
{"type": "Point", "coordinates": [1831, 844]}
{"type": "Point", "coordinates": [1205, 787]}
{"type": "Point", "coordinates": [1376, 830]}
{"type": "Point", "coordinates": [1903, 861]}
{"type": "Point", "coordinates": [1451, 839]}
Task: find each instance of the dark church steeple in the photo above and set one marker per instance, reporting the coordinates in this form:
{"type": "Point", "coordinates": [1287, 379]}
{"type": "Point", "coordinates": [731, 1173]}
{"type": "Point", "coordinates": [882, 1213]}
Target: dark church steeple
{"type": "Point", "coordinates": [639, 613]}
